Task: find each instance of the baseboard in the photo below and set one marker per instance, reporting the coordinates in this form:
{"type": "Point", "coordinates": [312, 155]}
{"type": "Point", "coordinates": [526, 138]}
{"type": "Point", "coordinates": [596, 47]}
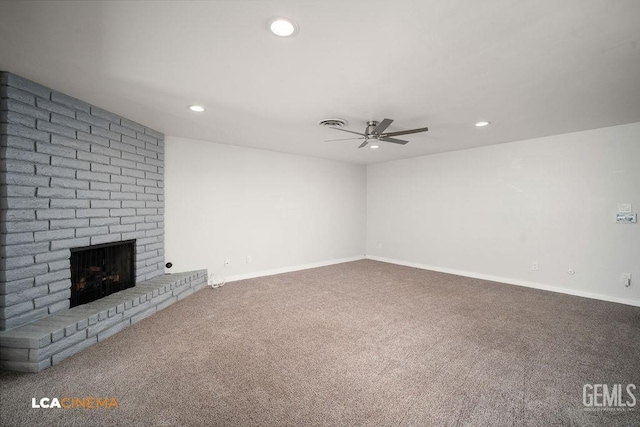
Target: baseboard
{"type": "Point", "coordinates": [509, 281]}
{"type": "Point", "coordinates": [289, 269]}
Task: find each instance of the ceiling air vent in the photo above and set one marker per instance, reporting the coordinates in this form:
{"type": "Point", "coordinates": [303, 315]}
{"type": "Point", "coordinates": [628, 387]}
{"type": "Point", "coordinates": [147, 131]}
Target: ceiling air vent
{"type": "Point", "coordinates": [334, 123]}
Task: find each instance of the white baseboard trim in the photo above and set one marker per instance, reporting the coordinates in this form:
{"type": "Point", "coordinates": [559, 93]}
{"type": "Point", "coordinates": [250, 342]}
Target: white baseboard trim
{"type": "Point", "coordinates": [289, 269]}
{"type": "Point", "coordinates": [509, 281]}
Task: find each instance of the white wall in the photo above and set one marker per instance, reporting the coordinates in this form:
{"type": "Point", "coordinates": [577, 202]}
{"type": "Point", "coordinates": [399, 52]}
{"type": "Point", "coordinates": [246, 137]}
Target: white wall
{"type": "Point", "coordinates": [489, 212]}
{"type": "Point", "coordinates": [285, 211]}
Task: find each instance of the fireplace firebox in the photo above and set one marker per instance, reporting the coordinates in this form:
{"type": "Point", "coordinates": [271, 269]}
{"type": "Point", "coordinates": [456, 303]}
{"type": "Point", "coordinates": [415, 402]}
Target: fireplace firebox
{"type": "Point", "coordinates": [101, 270]}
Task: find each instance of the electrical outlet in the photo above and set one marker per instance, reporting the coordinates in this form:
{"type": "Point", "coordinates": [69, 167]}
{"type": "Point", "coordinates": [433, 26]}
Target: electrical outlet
{"type": "Point", "coordinates": [227, 262]}
{"type": "Point", "coordinates": [249, 259]}
{"type": "Point", "coordinates": [626, 279]}
{"type": "Point", "coordinates": [535, 266]}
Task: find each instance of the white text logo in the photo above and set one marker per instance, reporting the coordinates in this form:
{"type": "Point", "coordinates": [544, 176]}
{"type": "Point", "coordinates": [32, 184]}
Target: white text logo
{"type": "Point", "coordinates": [610, 397]}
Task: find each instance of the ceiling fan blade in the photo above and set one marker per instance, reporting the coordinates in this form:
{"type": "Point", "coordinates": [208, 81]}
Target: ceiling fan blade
{"type": "Point", "coordinates": [382, 126]}
{"type": "Point", "coordinates": [406, 132]}
{"type": "Point", "coordinates": [395, 141]}
{"type": "Point", "coordinates": [341, 139]}
{"type": "Point", "coordinates": [350, 131]}
{"type": "Point", "coordinates": [364, 144]}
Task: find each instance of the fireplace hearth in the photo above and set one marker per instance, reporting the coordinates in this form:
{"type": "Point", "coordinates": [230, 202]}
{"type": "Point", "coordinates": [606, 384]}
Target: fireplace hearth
{"type": "Point", "coordinates": [101, 270]}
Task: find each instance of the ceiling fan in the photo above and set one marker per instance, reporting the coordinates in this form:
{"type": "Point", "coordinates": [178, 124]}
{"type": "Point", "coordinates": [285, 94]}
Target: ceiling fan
{"type": "Point", "coordinates": [376, 131]}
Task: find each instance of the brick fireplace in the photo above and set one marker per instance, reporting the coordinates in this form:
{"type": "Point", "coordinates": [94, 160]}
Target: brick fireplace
{"type": "Point", "coordinates": [72, 175]}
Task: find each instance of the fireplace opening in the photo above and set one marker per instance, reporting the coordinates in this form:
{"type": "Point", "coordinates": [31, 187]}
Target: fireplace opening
{"type": "Point", "coordinates": [101, 270]}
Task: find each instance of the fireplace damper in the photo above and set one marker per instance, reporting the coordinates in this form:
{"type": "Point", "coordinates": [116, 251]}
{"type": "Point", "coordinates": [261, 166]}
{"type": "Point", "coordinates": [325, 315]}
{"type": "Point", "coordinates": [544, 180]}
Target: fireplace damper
{"type": "Point", "coordinates": [101, 270]}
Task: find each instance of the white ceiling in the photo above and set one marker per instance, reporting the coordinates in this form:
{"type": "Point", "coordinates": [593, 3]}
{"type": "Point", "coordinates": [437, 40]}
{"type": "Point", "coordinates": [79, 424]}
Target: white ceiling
{"type": "Point", "coordinates": [531, 67]}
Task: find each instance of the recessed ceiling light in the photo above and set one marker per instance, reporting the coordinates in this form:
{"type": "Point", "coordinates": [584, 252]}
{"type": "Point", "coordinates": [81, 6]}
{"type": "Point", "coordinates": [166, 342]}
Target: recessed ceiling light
{"type": "Point", "coordinates": [283, 27]}
{"type": "Point", "coordinates": [196, 108]}
{"type": "Point", "coordinates": [483, 123]}
{"type": "Point", "coordinates": [373, 147]}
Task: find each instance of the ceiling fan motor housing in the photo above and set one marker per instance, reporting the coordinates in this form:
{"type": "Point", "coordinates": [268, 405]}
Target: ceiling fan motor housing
{"type": "Point", "coordinates": [371, 125]}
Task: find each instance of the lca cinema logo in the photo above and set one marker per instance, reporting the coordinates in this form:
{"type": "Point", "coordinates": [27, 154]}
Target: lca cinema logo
{"type": "Point", "coordinates": [74, 403]}
{"type": "Point", "coordinates": [610, 397]}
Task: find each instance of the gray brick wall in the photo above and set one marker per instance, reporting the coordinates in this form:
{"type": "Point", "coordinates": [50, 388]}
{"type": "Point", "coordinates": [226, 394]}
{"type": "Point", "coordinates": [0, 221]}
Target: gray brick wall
{"type": "Point", "coordinates": [71, 175]}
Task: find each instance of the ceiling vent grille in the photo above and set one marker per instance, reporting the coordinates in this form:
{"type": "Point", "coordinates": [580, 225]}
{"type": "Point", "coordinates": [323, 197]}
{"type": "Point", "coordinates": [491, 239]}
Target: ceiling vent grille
{"type": "Point", "coordinates": [334, 123]}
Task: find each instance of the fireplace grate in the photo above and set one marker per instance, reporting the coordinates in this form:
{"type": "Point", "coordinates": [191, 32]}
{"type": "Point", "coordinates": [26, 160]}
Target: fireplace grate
{"type": "Point", "coordinates": [101, 270]}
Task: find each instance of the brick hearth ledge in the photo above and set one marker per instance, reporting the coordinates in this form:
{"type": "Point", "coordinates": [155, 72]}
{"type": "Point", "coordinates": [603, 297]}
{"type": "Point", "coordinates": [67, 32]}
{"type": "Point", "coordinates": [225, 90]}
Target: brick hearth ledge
{"type": "Point", "coordinates": [48, 341]}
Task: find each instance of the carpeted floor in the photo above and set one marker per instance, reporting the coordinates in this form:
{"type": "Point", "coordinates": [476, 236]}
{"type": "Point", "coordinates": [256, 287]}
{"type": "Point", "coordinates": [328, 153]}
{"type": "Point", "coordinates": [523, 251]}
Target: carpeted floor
{"type": "Point", "coordinates": [360, 343]}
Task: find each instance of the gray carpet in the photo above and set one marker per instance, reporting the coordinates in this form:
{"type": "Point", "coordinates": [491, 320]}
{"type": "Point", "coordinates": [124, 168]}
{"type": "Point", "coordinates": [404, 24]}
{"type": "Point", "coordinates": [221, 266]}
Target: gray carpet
{"type": "Point", "coordinates": [360, 343]}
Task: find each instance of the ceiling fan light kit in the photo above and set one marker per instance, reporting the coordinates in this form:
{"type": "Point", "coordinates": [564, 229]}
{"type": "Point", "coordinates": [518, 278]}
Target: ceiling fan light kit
{"type": "Point", "coordinates": [375, 131]}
